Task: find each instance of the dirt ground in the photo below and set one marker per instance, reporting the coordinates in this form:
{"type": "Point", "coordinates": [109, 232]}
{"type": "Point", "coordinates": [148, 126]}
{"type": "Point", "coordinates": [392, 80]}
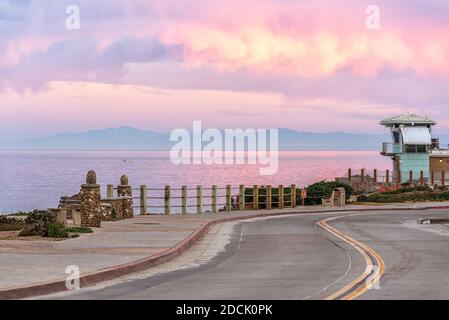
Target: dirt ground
{"type": "Point", "coordinates": [14, 235]}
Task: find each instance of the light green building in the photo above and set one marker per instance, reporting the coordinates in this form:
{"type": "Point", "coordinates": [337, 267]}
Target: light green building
{"type": "Point", "coordinates": [411, 145]}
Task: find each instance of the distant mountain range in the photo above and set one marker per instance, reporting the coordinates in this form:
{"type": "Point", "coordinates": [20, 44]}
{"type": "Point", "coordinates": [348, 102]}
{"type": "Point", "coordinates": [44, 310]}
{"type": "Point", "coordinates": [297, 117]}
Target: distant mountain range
{"type": "Point", "coordinates": [137, 139]}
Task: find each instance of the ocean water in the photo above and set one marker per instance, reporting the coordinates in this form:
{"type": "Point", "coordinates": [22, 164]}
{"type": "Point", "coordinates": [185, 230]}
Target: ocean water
{"type": "Point", "coordinates": [37, 179]}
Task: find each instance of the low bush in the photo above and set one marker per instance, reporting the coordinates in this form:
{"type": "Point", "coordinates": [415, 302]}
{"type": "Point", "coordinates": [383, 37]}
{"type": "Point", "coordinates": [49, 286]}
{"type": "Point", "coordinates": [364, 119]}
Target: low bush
{"type": "Point", "coordinates": [4, 220]}
{"type": "Point", "coordinates": [19, 214]}
{"type": "Point", "coordinates": [57, 230]}
{"type": "Point", "coordinates": [323, 189]}
{"type": "Point", "coordinates": [32, 230]}
{"type": "Point", "coordinates": [38, 223]}
{"type": "Point", "coordinates": [40, 216]}
{"type": "Point", "coordinates": [406, 196]}
{"type": "Point", "coordinates": [79, 230]}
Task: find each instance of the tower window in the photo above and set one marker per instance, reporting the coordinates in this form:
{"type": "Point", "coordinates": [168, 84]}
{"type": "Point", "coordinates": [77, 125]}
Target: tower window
{"type": "Point", "coordinates": [413, 148]}
{"type": "Point", "coordinates": [396, 137]}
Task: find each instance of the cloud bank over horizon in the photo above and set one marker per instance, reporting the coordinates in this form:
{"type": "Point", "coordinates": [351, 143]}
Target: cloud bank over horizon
{"type": "Point", "coordinates": [314, 57]}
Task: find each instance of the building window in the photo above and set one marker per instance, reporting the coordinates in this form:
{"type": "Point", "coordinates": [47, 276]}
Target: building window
{"type": "Point", "coordinates": [412, 148]}
{"type": "Point", "coordinates": [421, 149]}
{"type": "Point", "coordinates": [396, 136]}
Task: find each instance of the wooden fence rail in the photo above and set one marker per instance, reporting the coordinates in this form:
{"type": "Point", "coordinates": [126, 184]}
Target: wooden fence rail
{"type": "Point", "coordinates": [388, 178]}
{"type": "Point", "coordinates": [216, 199]}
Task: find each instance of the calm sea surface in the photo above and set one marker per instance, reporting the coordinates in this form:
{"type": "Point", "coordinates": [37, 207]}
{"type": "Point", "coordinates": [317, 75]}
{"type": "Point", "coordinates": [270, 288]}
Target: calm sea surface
{"type": "Point", "coordinates": [37, 179]}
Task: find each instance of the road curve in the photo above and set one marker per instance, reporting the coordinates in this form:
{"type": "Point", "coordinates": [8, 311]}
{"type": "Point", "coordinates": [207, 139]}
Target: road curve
{"type": "Point", "coordinates": [375, 266]}
{"type": "Point", "coordinates": [312, 256]}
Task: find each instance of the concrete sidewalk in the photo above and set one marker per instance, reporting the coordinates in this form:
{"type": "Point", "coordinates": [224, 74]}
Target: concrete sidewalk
{"type": "Point", "coordinates": [117, 244]}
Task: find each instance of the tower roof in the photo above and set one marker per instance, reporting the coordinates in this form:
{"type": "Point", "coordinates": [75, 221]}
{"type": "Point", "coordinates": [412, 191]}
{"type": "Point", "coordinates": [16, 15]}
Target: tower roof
{"type": "Point", "coordinates": [410, 119]}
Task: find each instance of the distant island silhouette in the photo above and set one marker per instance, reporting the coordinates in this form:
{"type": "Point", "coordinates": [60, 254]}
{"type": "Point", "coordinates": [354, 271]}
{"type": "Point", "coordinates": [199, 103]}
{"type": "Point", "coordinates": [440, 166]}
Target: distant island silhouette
{"type": "Point", "coordinates": [126, 137]}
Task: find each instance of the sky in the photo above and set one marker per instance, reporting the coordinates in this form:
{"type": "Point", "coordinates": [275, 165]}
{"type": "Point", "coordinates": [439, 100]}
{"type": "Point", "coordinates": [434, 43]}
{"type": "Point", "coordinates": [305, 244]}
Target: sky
{"type": "Point", "coordinates": [308, 65]}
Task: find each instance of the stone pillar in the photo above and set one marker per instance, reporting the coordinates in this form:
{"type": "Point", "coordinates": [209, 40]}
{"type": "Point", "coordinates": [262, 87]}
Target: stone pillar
{"type": "Point", "coordinates": [90, 202]}
{"type": "Point", "coordinates": [340, 197]}
{"type": "Point", "coordinates": [124, 191]}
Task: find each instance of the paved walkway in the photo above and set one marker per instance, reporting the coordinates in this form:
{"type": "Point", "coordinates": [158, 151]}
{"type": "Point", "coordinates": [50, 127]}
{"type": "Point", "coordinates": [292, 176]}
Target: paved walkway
{"type": "Point", "coordinates": [25, 263]}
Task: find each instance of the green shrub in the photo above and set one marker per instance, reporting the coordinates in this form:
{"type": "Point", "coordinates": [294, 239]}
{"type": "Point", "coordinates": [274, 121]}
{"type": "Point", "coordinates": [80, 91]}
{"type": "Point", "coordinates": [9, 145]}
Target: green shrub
{"type": "Point", "coordinates": [40, 216]}
{"type": "Point", "coordinates": [4, 220]}
{"type": "Point", "coordinates": [19, 214]}
{"type": "Point", "coordinates": [79, 230]}
{"type": "Point", "coordinates": [38, 223]}
{"type": "Point", "coordinates": [32, 230]}
{"type": "Point", "coordinates": [57, 230]}
{"type": "Point", "coordinates": [323, 189]}
{"type": "Point", "coordinates": [406, 196]}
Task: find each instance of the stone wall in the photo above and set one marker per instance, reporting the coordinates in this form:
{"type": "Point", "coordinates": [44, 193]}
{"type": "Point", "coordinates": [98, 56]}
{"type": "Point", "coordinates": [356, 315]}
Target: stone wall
{"type": "Point", "coordinates": [116, 208]}
{"type": "Point", "coordinates": [70, 204]}
{"type": "Point", "coordinates": [93, 209]}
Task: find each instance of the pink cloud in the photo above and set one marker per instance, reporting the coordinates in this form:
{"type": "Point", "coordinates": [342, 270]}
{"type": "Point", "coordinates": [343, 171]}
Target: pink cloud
{"type": "Point", "coordinates": [318, 55]}
{"type": "Point", "coordinates": [290, 38]}
{"type": "Point", "coordinates": [311, 44]}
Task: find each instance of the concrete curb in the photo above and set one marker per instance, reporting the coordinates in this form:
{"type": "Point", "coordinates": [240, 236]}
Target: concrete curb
{"type": "Point", "coordinates": [145, 263]}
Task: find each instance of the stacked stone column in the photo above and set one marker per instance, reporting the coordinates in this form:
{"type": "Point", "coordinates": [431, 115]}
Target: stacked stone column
{"type": "Point", "coordinates": [90, 202]}
{"type": "Point", "coordinates": [124, 192]}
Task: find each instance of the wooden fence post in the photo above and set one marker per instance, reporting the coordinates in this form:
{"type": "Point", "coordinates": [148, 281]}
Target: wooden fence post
{"type": "Point", "coordinates": [143, 200]}
{"type": "Point", "coordinates": [399, 177]}
{"type": "Point", "coordinates": [432, 178]}
{"type": "Point", "coordinates": [421, 177]}
{"type": "Point", "coordinates": [184, 199]}
{"type": "Point", "coordinates": [293, 195]}
{"type": "Point", "coordinates": [281, 196]}
{"type": "Point", "coordinates": [228, 198]}
{"type": "Point", "coordinates": [199, 196]}
{"type": "Point", "coordinates": [255, 197]}
{"type": "Point", "coordinates": [214, 199]}
{"type": "Point", "coordinates": [387, 176]}
{"type": "Point", "coordinates": [375, 176]}
{"type": "Point", "coordinates": [269, 188]}
{"type": "Point", "coordinates": [362, 173]}
{"type": "Point", "coordinates": [110, 191]}
{"type": "Point", "coordinates": [167, 200]}
{"type": "Point", "coordinates": [241, 197]}
{"type": "Point", "coordinates": [349, 174]}
{"type": "Point", "coordinates": [410, 176]}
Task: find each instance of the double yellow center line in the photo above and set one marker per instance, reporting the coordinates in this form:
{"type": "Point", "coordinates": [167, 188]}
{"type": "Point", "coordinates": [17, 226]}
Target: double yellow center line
{"type": "Point", "coordinates": [375, 266]}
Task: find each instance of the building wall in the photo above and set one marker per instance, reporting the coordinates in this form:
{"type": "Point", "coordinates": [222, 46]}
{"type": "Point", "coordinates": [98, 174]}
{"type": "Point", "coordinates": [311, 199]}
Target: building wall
{"type": "Point", "coordinates": [437, 166]}
{"type": "Point", "coordinates": [415, 162]}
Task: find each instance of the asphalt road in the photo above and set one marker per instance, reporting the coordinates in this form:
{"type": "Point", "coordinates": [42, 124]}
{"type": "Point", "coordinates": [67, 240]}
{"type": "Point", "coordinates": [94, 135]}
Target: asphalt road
{"type": "Point", "coordinates": [294, 258]}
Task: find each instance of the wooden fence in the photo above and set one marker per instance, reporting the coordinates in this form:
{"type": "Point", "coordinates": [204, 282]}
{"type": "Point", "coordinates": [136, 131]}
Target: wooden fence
{"type": "Point", "coordinates": [214, 199]}
{"type": "Point", "coordinates": [386, 177]}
